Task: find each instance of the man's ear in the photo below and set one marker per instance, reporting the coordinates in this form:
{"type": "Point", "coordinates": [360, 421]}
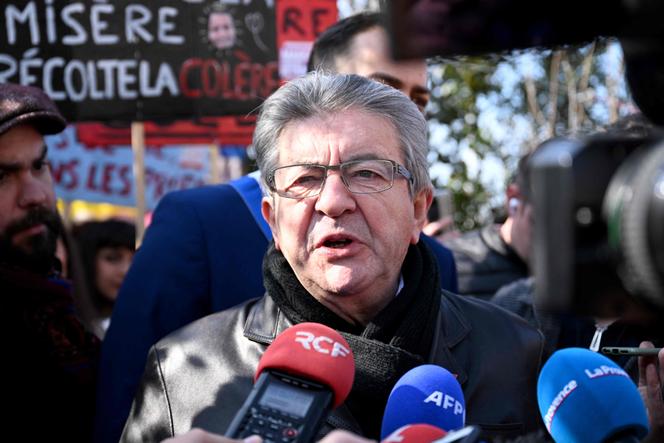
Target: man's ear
{"type": "Point", "coordinates": [268, 210]}
{"type": "Point", "coordinates": [512, 191]}
{"type": "Point", "coordinates": [421, 203]}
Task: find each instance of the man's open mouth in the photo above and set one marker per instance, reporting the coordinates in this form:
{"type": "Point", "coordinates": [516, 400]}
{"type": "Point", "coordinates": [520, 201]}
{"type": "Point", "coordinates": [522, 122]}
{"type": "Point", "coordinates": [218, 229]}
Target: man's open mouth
{"type": "Point", "coordinates": [337, 243]}
{"type": "Point", "coordinates": [34, 229]}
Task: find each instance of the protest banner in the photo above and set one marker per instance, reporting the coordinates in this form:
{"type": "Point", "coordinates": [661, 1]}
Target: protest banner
{"type": "Point", "coordinates": [105, 174]}
{"type": "Point", "coordinates": [230, 130]}
{"type": "Point", "coordinates": [142, 60]}
{"type": "Point", "coordinates": [124, 62]}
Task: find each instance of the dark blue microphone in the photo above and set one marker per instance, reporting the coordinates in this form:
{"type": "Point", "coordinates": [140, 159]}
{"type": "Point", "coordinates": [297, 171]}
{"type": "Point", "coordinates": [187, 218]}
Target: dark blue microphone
{"type": "Point", "coordinates": [585, 397]}
{"type": "Point", "coordinates": [427, 394]}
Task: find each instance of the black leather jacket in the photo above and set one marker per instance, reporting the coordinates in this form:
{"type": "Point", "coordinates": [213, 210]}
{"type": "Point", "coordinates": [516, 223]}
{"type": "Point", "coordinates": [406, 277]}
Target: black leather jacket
{"type": "Point", "coordinates": [200, 375]}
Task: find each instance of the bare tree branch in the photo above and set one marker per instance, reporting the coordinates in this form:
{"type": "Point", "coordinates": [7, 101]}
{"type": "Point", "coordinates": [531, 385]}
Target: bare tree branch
{"type": "Point", "coordinates": [583, 95]}
{"type": "Point", "coordinates": [533, 107]}
{"type": "Point", "coordinates": [612, 81]}
{"type": "Point", "coordinates": [570, 81]}
{"type": "Point", "coordinates": [553, 91]}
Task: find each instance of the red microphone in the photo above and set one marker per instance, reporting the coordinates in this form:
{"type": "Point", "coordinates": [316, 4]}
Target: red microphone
{"type": "Point", "coordinates": [416, 433]}
{"type": "Point", "coordinates": [306, 372]}
{"type": "Point", "coordinates": [425, 433]}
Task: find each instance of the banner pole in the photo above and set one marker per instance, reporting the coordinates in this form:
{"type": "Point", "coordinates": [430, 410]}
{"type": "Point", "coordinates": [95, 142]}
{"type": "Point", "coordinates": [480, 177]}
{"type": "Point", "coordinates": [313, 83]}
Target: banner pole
{"type": "Point", "coordinates": [215, 173]}
{"type": "Point", "coordinates": [66, 213]}
{"type": "Point", "coordinates": [138, 149]}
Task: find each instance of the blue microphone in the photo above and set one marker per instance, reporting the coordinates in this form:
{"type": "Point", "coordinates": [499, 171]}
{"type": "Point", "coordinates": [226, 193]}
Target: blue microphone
{"type": "Point", "coordinates": [427, 394]}
{"type": "Point", "coordinates": [585, 397]}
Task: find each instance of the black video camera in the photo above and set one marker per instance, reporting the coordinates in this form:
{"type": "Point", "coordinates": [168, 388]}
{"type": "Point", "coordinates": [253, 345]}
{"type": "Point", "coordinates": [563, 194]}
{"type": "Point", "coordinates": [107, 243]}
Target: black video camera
{"type": "Point", "coordinates": [599, 225]}
{"type": "Point", "coordinates": [598, 201]}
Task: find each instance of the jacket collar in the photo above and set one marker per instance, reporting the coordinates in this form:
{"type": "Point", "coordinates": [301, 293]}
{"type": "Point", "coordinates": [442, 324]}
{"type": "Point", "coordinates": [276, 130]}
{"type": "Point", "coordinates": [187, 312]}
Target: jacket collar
{"type": "Point", "coordinates": [493, 240]}
{"type": "Point", "coordinates": [266, 321]}
{"type": "Point", "coordinates": [451, 329]}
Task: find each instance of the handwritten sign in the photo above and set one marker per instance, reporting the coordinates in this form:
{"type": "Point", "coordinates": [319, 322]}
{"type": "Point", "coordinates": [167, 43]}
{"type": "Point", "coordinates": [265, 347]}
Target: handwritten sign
{"type": "Point", "coordinates": [298, 25]}
{"type": "Point", "coordinates": [142, 60]}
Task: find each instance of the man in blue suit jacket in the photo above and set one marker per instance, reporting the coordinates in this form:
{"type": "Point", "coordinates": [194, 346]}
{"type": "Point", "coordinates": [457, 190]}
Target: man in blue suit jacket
{"type": "Point", "coordinates": [204, 249]}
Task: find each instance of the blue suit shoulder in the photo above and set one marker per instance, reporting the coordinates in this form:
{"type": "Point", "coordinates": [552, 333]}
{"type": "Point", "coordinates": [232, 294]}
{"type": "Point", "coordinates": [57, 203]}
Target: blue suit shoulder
{"type": "Point", "coordinates": [201, 254]}
{"type": "Point", "coordinates": [446, 263]}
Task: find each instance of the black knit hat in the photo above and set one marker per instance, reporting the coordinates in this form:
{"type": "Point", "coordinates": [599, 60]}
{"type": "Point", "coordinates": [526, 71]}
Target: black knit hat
{"type": "Point", "coordinates": [28, 105]}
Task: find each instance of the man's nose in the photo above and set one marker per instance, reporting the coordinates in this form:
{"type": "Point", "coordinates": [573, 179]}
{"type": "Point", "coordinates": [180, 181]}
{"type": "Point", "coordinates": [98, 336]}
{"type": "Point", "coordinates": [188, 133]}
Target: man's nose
{"type": "Point", "coordinates": [33, 191]}
{"type": "Point", "coordinates": [335, 198]}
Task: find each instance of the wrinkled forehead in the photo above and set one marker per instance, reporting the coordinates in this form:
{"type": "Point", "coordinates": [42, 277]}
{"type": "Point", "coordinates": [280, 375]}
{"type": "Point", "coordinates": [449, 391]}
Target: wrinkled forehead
{"type": "Point", "coordinates": [352, 134]}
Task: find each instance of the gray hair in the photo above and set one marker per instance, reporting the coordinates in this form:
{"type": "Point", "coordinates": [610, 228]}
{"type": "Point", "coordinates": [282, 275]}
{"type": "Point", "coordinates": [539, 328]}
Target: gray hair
{"type": "Point", "coordinates": [320, 94]}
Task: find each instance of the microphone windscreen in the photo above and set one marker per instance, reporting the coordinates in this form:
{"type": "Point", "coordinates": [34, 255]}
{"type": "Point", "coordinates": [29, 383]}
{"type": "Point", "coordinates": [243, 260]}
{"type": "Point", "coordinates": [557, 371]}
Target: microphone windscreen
{"type": "Point", "coordinates": [416, 433]}
{"type": "Point", "coordinates": [426, 394]}
{"type": "Point", "coordinates": [313, 352]}
{"type": "Point", "coordinates": [585, 397]}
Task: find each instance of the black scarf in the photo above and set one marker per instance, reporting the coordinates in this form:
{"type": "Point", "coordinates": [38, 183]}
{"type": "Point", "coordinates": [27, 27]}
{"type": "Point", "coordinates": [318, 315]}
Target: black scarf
{"type": "Point", "coordinates": [396, 340]}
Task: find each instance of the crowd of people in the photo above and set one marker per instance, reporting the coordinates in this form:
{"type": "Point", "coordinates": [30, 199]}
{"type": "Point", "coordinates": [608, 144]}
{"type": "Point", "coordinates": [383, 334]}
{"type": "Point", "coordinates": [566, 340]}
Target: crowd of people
{"type": "Point", "coordinates": [328, 231]}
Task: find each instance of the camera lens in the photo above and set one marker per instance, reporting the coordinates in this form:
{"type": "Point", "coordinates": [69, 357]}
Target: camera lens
{"type": "Point", "coordinates": [634, 211]}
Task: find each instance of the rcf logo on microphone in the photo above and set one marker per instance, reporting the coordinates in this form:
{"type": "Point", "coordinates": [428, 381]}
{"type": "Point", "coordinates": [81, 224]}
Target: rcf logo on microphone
{"type": "Point", "coordinates": [321, 343]}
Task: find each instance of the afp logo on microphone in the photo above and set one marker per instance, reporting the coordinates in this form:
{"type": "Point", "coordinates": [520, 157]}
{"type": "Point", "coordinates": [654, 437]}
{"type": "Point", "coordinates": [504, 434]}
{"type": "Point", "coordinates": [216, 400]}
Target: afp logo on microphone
{"type": "Point", "coordinates": [446, 401]}
{"type": "Point", "coordinates": [321, 344]}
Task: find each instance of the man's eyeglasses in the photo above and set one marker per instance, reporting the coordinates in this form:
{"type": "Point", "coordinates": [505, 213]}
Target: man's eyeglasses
{"type": "Point", "coordinates": [359, 177]}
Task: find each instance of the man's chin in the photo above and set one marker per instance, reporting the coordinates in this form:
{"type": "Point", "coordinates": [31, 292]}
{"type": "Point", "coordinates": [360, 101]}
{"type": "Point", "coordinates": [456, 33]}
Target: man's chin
{"type": "Point", "coordinates": [342, 280]}
{"type": "Point", "coordinates": [34, 253]}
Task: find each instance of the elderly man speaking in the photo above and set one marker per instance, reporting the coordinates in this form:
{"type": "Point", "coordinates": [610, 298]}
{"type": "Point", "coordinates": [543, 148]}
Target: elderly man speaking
{"type": "Point", "coordinates": [344, 160]}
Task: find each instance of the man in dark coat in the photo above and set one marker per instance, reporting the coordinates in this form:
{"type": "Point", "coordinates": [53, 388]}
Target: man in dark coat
{"type": "Point", "coordinates": [344, 160]}
{"type": "Point", "coordinates": [203, 251]}
{"type": "Point", "coordinates": [49, 356]}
